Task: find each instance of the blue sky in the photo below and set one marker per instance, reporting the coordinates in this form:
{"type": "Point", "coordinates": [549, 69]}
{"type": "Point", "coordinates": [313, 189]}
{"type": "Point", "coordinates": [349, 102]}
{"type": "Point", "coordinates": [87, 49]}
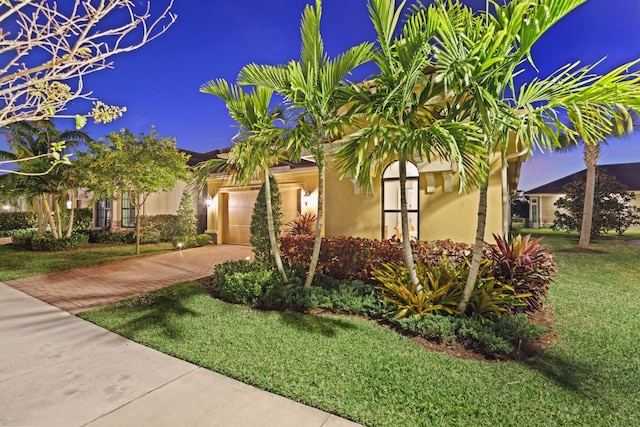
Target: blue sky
{"type": "Point", "coordinates": [159, 83]}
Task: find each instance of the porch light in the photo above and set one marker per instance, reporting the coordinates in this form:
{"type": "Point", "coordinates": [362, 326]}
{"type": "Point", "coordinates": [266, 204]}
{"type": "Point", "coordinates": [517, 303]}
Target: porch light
{"type": "Point", "coordinates": [69, 204]}
{"type": "Point", "coordinates": [306, 195]}
{"type": "Point", "coordinates": [209, 202]}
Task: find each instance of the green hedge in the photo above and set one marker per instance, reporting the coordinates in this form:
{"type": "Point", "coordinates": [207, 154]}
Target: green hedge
{"type": "Point", "coordinates": [107, 237]}
{"type": "Point", "coordinates": [184, 242]}
{"type": "Point", "coordinates": [159, 228]}
{"type": "Point", "coordinates": [17, 220]}
{"type": "Point", "coordinates": [46, 242]}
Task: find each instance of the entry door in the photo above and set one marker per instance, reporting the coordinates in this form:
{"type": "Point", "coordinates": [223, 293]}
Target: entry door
{"type": "Point", "coordinates": [239, 214]}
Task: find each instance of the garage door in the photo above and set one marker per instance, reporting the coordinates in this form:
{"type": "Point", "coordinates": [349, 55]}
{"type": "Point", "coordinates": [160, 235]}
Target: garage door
{"type": "Point", "coordinates": [239, 216]}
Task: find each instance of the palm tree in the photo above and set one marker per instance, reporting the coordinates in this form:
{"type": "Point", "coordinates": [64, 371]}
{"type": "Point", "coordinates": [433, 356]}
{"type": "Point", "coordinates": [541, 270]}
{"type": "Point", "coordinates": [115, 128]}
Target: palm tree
{"type": "Point", "coordinates": [312, 86]}
{"type": "Point", "coordinates": [477, 57]}
{"type": "Point", "coordinates": [403, 112]}
{"type": "Point", "coordinates": [621, 124]}
{"type": "Point", "coordinates": [256, 144]}
{"type": "Point", "coordinates": [31, 144]}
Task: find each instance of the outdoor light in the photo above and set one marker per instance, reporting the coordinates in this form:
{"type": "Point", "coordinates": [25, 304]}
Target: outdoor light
{"type": "Point", "coordinates": [69, 204]}
{"type": "Point", "coordinates": [180, 245]}
{"type": "Point", "coordinates": [306, 195]}
{"type": "Point", "coordinates": [7, 207]}
{"type": "Point", "coordinates": [209, 202]}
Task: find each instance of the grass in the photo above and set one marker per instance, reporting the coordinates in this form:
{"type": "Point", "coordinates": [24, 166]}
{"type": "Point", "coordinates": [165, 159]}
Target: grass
{"type": "Point", "coordinates": [367, 373]}
{"type": "Point", "coordinates": [16, 263]}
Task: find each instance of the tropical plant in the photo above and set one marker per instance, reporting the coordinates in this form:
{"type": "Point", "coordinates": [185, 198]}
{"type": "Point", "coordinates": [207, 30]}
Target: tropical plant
{"type": "Point", "coordinates": [403, 112]}
{"type": "Point", "coordinates": [478, 57]}
{"type": "Point", "coordinates": [133, 165]}
{"type": "Point", "coordinates": [611, 206]}
{"type": "Point", "coordinates": [257, 145]}
{"type": "Point", "coordinates": [438, 290]}
{"type": "Point", "coordinates": [312, 86]}
{"type": "Point", "coordinates": [302, 224]}
{"type": "Point", "coordinates": [526, 266]}
{"type": "Point", "coordinates": [47, 188]}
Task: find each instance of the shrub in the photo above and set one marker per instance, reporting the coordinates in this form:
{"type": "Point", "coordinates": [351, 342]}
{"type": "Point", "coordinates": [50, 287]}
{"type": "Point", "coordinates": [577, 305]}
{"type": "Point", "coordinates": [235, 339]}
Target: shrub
{"type": "Point", "coordinates": [354, 258]}
{"type": "Point", "coordinates": [17, 220]}
{"type": "Point", "coordinates": [441, 287]}
{"type": "Point", "coordinates": [46, 242]}
{"type": "Point", "coordinates": [83, 219]}
{"type": "Point", "coordinates": [107, 237]}
{"type": "Point", "coordinates": [286, 296]}
{"type": "Point", "coordinates": [259, 229]}
{"type": "Point", "coordinates": [11, 233]}
{"type": "Point", "coordinates": [158, 228]}
{"type": "Point", "coordinates": [23, 238]}
{"type": "Point", "coordinates": [186, 224]}
{"type": "Point", "coordinates": [302, 225]}
{"type": "Point", "coordinates": [524, 265]}
{"type": "Point", "coordinates": [439, 290]}
{"type": "Point", "coordinates": [488, 337]}
{"type": "Point", "coordinates": [184, 242]}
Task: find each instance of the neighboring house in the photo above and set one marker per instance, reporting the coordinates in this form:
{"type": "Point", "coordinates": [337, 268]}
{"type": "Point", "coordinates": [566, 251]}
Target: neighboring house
{"type": "Point", "coordinates": [542, 199]}
{"type": "Point", "coordinates": [119, 214]}
{"type": "Point", "coordinates": [436, 209]}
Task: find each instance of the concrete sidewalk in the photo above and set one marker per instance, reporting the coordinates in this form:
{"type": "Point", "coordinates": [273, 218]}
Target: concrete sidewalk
{"type": "Point", "coordinates": [59, 370]}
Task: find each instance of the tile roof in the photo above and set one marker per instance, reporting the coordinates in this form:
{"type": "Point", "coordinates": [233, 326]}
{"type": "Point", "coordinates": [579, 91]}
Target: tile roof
{"type": "Point", "coordinates": [627, 174]}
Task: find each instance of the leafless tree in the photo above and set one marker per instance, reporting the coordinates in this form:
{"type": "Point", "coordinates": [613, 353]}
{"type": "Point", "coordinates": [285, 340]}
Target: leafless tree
{"type": "Point", "coordinates": [47, 47]}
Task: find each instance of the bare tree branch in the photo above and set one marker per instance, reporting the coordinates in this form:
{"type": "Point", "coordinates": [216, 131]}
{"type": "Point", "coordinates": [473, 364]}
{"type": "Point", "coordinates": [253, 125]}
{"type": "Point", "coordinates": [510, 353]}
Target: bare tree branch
{"type": "Point", "coordinates": [46, 48]}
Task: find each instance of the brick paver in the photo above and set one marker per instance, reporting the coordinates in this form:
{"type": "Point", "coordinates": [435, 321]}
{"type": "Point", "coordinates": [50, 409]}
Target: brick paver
{"type": "Point", "coordinates": [84, 288]}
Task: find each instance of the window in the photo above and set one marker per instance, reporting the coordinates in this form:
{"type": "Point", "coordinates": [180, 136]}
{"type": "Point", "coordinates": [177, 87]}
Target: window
{"type": "Point", "coordinates": [128, 212]}
{"type": "Point", "coordinates": [103, 213]}
{"type": "Point", "coordinates": [391, 219]}
{"type": "Point", "coordinates": [534, 209]}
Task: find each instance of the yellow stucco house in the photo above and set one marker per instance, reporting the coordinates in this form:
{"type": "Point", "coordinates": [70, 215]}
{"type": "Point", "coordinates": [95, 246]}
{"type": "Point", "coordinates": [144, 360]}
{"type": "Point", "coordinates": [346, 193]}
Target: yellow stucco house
{"type": "Point", "coordinates": [436, 209]}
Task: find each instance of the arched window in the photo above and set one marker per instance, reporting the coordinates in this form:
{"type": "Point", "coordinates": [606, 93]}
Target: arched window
{"type": "Point", "coordinates": [391, 221]}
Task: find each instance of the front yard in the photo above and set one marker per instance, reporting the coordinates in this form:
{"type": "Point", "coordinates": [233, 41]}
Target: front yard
{"type": "Point", "coordinates": [370, 374]}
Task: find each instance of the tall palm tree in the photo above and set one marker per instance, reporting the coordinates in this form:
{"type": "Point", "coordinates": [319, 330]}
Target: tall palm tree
{"type": "Point", "coordinates": [256, 144]}
{"type": "Point", "coordinates": [621, 124]}
{"type": "Point", "coordinates": [403, 113]}
{"type": "Point", "coordinates": [311, 85]}
{"type": "Point", "coordinates": [478, 56]}
{"type": "Point", "coordinates": [31, 144]}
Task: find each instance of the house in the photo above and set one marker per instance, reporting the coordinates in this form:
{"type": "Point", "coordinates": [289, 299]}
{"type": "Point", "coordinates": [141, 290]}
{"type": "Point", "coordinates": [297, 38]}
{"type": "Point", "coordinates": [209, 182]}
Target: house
{"type": "Point", "coordinates": [119, 213]}
{"type": "Point", "coordinates": [436, 209]}
{"type": "Point", "coordinates": [542, 199]}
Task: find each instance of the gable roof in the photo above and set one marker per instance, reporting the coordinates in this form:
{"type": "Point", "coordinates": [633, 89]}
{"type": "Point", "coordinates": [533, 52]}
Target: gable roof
{"type": "Point", "coordinates": [628, 174]}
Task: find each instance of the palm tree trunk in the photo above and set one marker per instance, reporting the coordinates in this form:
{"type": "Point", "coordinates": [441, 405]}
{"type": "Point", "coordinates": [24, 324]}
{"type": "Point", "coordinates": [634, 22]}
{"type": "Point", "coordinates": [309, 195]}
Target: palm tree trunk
{"type": "Point", "coordinates": [478, 247]}
{"type": "Point", "coordinates": [591, 155]}
{"type": "Point", "coordinates": [49, 216]}
{"type": "Point", "coordinates": [506, 208]}
{"type": "Point", "coordinates": [404, 219]}
{"type": "Point", "coordinates": [272, 233]}
{"type": "Point", "coordinates": [315, 255]}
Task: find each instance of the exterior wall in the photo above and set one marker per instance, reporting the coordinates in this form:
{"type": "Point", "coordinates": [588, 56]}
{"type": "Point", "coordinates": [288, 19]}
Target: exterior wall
{"type": "Point", "coordinates": [299, 181]}
{"type": "Point", "coordinates": [348, 213]}
{"type": "Point", "coordinates": [443, 214]}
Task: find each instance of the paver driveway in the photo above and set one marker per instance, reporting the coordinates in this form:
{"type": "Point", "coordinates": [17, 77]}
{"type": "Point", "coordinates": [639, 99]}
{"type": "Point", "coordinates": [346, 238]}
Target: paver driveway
{"type": "Point", "coordinates": [84, 288]}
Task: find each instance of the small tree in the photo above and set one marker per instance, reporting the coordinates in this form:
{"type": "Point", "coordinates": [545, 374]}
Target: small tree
{"type": "Point", "coordinates": [123, 163]}
{"type": "Point", "coordinates": [611, 208]}
{"type": "Point", "coordinates": [187, 224]}
{"type": "Point", "coordinates": [259, 227]}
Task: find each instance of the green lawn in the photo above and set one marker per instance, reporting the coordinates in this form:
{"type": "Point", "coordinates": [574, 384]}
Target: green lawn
{"type": "Point", "coordinates": [16, 263]}
{"type": "Point", "coordinates": [367, 373]}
